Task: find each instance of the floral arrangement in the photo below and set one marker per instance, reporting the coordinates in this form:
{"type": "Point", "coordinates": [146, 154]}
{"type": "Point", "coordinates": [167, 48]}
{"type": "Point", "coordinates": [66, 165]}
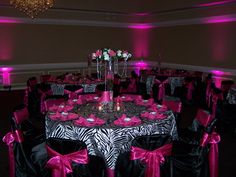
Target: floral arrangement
{"type": "Point", "coordinates": [106, 54]}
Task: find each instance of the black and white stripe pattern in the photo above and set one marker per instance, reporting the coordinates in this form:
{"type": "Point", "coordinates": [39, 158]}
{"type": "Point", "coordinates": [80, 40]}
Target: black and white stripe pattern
{"type": "Point", "coordinates": [109, 142]}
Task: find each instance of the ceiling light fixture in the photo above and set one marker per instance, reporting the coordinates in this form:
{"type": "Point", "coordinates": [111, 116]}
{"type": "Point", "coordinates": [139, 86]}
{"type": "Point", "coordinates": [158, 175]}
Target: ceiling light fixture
{"type": "Point", "coordinates": [32, 7]}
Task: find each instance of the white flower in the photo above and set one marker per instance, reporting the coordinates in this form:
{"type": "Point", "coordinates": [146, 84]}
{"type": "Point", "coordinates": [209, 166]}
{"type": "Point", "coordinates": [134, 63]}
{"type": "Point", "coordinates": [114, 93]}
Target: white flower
{"type": "Point", "coordinates": [119, 53]}
{"type": "Point", "coordinates": [93, 56]}
{"type": "Point", "coordinates": [125, 55]}
{"type": "Point", "coordinates": [106, 57]}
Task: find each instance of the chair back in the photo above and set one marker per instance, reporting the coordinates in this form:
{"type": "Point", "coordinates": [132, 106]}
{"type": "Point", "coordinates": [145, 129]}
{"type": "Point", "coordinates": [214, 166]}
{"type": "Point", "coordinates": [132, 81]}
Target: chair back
{"type": "Point", "coordinates": [173, 104]}
{"type": "Point", "coordinates": [21, 115]}
{"type": "Point", "coordinates": [203, 117]}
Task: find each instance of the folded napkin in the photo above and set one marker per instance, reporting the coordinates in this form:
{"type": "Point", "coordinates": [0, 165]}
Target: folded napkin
{"type": "Point", "coordinates": [127, 121]}
{"type": "Point", "coordinates": [157, 108]}
{"type": "Point", "coordinates": [149, 102]}
{"type": "Point", "coordinates": [64, 108]}
{"type": "Point", "coordinates": [153, 115]}
{"type": "Point", "coordinates": [91, 121]}
{"type": "Point", "coordinates": [89, 97]}
{"type": "Point", "coordinates": [63, 116]}
{"type": "Point", "coordinates": [53, 108]}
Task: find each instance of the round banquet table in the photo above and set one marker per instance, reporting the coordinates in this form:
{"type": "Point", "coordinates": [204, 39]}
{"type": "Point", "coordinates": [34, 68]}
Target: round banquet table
{"type": "Point", "coordinates": [109, 140]}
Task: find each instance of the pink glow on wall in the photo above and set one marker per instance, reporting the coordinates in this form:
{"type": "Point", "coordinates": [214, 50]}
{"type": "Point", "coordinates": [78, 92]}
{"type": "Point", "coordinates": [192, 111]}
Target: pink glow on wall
{"type": "Point", "coordinates": [6, 42]}
{"type": "Point", "coordinates": [141, 26]}
{"type": "Point", "coordinates": [141, 14]}
{"type": "Point", "coordinates": [5, 20]}
{"type": "Point", "coordinates": [140, 40]}
{"type": "Point", "coordinates": [220, 73]}
{"type": "Point", "coordinates": [219, 42]}
{"type": "Point", "coordinates": [215, 3]}
{"type": "Point", "coordinates": [140, 65]}
{"type": "Point", "coordinates": [6, 80]}
{"type": "Point", "coordinates": [220, 19]}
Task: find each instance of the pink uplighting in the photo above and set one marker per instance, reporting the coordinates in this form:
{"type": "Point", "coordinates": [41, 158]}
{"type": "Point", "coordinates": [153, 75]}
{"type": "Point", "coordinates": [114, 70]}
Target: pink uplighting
{"type": "Point", "coordinates": [220, 19]}
{"type": "Point", "coordinates": [215, 3]}
{"type": "Point", "coordinates": [8, 20]}
{"type": "Point", "coordinates": [141, 40]}
{"type": "Point", "coordinates": [6, 81]}
{"type": "Point", "coordinates": [220, 73]}
{"type": "Point", "coordinates": [140, 65]}
{"type": "Point", "coordinates": [141, 26]}
{"type": "Point", "coordinates": [141, 14]}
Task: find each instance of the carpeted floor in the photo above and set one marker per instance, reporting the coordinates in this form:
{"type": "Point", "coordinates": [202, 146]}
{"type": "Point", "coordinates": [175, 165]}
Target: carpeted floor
{"type": "Point", "coordinates": [10, 99]}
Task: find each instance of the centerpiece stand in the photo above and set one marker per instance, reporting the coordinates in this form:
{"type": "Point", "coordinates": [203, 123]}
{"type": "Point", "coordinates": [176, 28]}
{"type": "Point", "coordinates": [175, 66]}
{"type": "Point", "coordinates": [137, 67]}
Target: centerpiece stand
{"type": "Point", "coordinates": [107, 61]}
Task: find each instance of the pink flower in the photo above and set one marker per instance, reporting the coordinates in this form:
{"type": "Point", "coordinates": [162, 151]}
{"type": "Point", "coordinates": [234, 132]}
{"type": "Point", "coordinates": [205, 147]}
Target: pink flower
{"type": "Point", "coordinates": [111, 53]}
{"type": "Point", "coordinates": [98, 53]}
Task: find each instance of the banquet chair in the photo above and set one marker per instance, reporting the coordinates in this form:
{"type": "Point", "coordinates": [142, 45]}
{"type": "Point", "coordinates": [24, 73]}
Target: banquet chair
{"type": "Point", "coordinates": [161, 88]}
{"type": "Point", "coordinates": [149, 157]}
{"type": "Point", "coordinates": [198, 157]}
{"type": "Point", "coordinates": [73, 91]}
{"type": "Point", "coordinates": [20, 140]}
{"type": "Point", "coordinates": [175, 105]}
{"type": "Point", "coordinates": [70, 158]}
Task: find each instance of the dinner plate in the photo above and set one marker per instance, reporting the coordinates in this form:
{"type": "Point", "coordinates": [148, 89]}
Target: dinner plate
{"type": "Point", "coordinates": [127, 119]}
{"type": "Point", "coordinates": [90, 119]}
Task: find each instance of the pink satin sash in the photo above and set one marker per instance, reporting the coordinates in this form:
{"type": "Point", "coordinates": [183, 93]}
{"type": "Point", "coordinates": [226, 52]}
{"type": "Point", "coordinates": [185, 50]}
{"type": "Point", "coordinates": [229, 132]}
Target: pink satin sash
{"type": "Point", "coordinates": [215, 99]}
{"type": "Point", "coordinates": [61, 164]}
{"type": "Point", "coordinates": [21, 115]}
{"type": "Point", "coordinates": [73, 95]}
{"type": "Point", "coordinates": [9, 139]}
{"type": "Point", "coordinates": [153, 159]}
{"type": "Point", "coordinates": [161, 92]}
{"type": "Point", "coordinates": [203, 117]}
{"type": "Point", "coordinates": [213, 139]}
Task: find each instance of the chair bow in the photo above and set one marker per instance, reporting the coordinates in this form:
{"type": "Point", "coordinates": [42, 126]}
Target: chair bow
{"type": "Point", "coordinates": [161, 91]}
{"type": "Point", "coordinates": [212, 139]}
{"type": "Point", "coordinates": [9, 138]}
{"type": "Point", "coordinates": [61, 164]}
{"type": "Point", "coordinates": [215, 99]}
{"type": "Point", "coordinates": [153, 159]}
{"type": "Point", "coordinates": [73, 94]}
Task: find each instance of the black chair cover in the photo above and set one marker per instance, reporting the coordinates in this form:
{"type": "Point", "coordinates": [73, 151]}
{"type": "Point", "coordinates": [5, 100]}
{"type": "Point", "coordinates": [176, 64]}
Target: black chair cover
{"type": "Point", "coordinates": [96, 166]}
{"type": "Point", "coordinates": [135, 168]}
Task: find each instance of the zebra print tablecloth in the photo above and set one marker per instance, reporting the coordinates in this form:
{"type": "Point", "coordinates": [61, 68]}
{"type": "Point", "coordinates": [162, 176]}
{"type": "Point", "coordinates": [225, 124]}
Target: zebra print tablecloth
{"type": "Point", "coordinates": [108, 141]}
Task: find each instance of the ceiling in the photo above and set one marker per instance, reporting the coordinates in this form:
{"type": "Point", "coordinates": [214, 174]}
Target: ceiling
{"type": "Point", "coordinates": [125, 11]}
{"type": "Point", "coordinates": [130, 6]}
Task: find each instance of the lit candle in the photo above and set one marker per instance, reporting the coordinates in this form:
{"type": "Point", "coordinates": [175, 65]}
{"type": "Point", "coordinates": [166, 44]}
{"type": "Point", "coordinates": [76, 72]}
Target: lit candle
{"type": "Point", "coordinates": [99, 108]}
{"type": "Point", "coordinates": [118, 108]}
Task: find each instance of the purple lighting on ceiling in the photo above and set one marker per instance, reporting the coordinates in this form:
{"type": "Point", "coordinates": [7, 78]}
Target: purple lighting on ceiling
{"type": "Point", "coordinates": [141, 26]}
{"type": "Point", "coordinates": [220, 19]}
{"type": "Point", "coordinates": [215, 3]}
{"type": "Point", "coordinates": [8, 20]}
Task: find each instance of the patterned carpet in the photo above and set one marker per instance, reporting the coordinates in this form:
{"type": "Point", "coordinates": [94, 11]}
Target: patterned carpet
{"type": "Point", "coordinates": [10, 99]}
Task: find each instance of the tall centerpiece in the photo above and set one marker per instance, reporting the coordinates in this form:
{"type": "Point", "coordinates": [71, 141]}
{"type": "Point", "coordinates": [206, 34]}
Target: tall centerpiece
{"type": "Point", "coordinates": [107, 61]}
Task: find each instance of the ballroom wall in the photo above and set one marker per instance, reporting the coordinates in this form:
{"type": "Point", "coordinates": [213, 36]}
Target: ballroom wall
{"type": "Point", "coordinates": [200, 45]}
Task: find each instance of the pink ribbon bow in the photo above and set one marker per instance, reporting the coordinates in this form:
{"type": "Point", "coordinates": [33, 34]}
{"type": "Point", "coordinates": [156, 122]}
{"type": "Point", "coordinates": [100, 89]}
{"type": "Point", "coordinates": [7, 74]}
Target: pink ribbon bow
{"type": "Point", "coordinates": [9, 138]}
{"type": "Point", "coordinates": [73, 95]}
{"type": "Point", "coordinates": [153, 159]}
{"type": "Point", "coordinates": [215, 99]}
{"type": "Point", "coordinates": [213, 139]}
{"type": "Point", "coordinates": [61, 164]}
